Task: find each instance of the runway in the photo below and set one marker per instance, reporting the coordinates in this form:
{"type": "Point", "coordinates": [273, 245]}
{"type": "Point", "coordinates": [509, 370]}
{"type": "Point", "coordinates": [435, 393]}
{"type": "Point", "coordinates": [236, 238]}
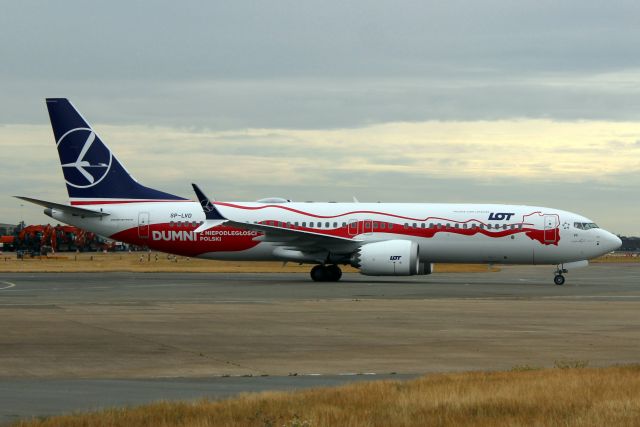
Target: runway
{"type": "Point", "coordinates": [107, 331]}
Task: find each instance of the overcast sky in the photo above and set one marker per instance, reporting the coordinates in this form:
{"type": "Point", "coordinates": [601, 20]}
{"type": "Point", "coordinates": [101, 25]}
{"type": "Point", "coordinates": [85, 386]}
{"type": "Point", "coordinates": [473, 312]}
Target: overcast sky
{"type": "Point", "coordinates": [528, 102]}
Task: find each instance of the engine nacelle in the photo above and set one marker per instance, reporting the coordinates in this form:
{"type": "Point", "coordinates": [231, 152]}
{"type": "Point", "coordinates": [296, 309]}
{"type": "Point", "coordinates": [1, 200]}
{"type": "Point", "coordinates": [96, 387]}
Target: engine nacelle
{"type": "Point", "coordinates": [388, 258]}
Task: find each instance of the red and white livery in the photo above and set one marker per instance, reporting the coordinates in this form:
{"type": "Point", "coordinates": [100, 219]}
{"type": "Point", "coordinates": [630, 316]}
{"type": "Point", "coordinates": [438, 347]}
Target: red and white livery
{"type": "Point", "coordinates": [380, 239]}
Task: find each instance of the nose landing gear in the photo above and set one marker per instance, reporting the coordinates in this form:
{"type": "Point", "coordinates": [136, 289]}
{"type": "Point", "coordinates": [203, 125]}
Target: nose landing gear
{"type": "Point", "coordinates": [326, 273]}
{"type": "Point", "coordinates": [559, 278]}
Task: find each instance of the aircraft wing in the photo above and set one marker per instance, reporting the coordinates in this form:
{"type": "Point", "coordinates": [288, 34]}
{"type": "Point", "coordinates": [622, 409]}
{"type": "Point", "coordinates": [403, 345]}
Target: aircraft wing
{"type": "Point", "coordinates": [301, 240]}
{"type": "Point", "coordinates": [73, 210]}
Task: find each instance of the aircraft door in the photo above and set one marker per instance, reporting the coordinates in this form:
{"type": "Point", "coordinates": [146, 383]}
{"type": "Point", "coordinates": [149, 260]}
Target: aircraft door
{"type": "Point", "coordinates": [550, 228]}
{"type": "Point", "coordinates": [143, 225]}
{"type": "Point", "coordinates": [353, 227]}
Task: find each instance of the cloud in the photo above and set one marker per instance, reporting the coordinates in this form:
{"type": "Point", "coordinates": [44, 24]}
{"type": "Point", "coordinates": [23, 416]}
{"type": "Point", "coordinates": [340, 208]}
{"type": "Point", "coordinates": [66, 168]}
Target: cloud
{"type": "Point", "coordinates": [480, 150]}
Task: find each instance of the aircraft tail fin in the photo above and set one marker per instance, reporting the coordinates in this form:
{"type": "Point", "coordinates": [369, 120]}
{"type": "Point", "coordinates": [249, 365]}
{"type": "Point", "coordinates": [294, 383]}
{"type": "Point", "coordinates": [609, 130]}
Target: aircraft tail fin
{"type": "Point", "coordinates": [92, 173]}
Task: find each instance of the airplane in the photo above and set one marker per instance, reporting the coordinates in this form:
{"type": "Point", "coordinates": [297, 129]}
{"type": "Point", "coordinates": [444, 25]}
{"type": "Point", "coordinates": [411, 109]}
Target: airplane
{"type": "Point", "coordinates": [379, 239]}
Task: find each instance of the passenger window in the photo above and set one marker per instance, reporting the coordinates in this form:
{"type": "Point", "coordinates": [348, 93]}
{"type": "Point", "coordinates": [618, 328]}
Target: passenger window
{"type": "Point", "coordinates": [335, 225]}
{"type": "Point", "coordinates": [457, 225]}
{"type": "Point", "coordinates": [406, 225]}
{"type": "Point", "coordinates": [422, 225]}
{"type": "Point", "coordinates": [464, 225]}
{"type": "Point", "coordinates": [327, 225]}
{"type": "Point", "coordinates": [375, 225]}
{"type": "Point", "coordinates": [383, 225]}
{"type": "Point", "coordinates": [171, 224]}
{"type": "Point", "coordinates": [390, 226]}
{"type": "Point", "coordinates": [431, 225]}
{"type": "Point", "coordinates": [344, 224]}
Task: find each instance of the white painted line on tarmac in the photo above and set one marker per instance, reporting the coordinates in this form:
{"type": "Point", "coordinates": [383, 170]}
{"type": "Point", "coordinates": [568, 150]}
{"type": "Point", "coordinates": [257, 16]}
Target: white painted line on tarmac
{"type": "Point", "coordinates": [9, 285]}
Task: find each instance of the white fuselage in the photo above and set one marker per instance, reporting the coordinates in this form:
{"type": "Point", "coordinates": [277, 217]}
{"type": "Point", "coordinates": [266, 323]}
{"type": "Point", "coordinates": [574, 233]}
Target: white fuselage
{"type": "Point", "coordinates": [469, 233]}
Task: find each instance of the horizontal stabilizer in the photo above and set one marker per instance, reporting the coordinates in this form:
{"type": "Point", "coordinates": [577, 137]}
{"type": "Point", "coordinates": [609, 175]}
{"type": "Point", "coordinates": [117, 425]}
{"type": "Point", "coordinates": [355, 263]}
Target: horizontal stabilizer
{"type": "Point", "coordinates": [73, 210]}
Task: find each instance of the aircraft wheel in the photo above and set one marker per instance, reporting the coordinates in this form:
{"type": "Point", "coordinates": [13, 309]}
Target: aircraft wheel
{"type": "Point", "coordinates": [559, 280]}
{"type": "Point", "coordinates": [318, 273]}
{"type": "Point", "coordinates": [334, 273]}
{"type": "Point", "coordinates": [326, 273]}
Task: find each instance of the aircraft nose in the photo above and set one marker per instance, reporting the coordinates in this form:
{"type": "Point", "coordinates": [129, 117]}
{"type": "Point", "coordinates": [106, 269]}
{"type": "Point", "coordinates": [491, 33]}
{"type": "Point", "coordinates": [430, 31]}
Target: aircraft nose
{"type": "Point", "coordinates": [613, 242]}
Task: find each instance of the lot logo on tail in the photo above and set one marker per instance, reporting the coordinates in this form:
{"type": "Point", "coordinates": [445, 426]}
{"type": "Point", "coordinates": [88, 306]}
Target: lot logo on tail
{"type": "Point", "coordinates": [85, 160]}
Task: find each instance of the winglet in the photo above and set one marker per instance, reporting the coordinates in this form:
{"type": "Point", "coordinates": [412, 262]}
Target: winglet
{"type": "Point", "coordinates": [210, 211]}
{"type": "Point", "coordinates": [213, 216]}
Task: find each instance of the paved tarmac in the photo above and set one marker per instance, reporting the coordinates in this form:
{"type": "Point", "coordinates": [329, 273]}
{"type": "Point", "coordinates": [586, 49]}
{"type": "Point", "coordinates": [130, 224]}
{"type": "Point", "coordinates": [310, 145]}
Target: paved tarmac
{"type": "Point", "coordinates": [135, 337]}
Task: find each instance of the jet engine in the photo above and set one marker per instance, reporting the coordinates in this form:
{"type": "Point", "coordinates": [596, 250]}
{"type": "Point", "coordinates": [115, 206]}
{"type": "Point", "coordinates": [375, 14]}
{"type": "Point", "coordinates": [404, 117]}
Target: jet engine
{"type": "Point", "coordinates": [389, 258]}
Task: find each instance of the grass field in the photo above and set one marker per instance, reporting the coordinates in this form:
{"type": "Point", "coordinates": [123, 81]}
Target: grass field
{"type": "Point", "coordinates": [569, 395]}
{"type": "Point", "coordinates": [160, 262]}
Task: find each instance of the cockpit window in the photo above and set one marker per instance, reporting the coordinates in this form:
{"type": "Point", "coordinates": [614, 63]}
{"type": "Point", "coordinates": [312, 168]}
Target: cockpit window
{"type": "Point", "coordinates": [585, 225]}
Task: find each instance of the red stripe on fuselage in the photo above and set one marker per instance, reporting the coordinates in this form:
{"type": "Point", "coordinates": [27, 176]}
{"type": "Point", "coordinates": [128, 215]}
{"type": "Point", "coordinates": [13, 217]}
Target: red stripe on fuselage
{"type": "Point", "coordinates": [184, 241]}
{"type": "Point", "coordinates": [429, 218]}
{"type": "Point", "coordinates": [546, 237]}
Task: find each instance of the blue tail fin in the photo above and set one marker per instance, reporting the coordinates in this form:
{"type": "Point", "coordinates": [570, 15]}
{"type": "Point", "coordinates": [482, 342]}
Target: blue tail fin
{"type": "Point", "coordinates": [91, 171]}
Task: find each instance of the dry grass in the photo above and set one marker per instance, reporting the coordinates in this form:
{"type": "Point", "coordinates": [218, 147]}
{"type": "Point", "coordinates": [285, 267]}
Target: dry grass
{"type": "Point", "coordinates": [550, 397]}
{"type": "Point", "coordinates": [160, 262]}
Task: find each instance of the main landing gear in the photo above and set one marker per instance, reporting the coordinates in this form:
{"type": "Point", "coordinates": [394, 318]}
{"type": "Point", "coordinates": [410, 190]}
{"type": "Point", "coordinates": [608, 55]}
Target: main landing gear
{"type": "Point", "coordinates": [559, 278]}
{"type": "Point", "coordinates": [326, 273]}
